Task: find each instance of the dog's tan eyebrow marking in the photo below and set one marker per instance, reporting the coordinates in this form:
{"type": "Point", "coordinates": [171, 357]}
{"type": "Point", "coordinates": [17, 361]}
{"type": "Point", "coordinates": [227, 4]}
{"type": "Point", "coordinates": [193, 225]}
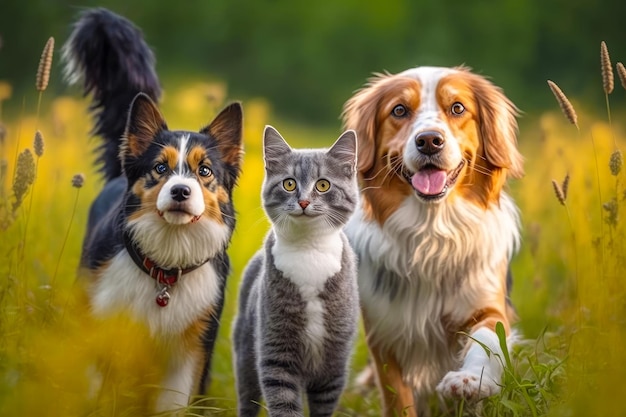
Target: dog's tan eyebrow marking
{"type": "Point", "coordinates": [170, 155]}
{"type": "Point", "coordinates": [197, 156]}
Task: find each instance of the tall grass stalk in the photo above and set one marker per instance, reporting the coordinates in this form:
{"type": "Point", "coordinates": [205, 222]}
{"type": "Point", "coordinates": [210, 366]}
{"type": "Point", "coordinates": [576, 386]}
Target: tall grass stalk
{"type": "Point", "coordinates": [77, 182]}
{"type": "Point", "coordinates": [608, 82]}
{"type": "Point", "coordinates": [570, 114]}
{"type": "Point", "coordinates": [41, 83]}
{"type": "Point", "coordinates": [561, 190]}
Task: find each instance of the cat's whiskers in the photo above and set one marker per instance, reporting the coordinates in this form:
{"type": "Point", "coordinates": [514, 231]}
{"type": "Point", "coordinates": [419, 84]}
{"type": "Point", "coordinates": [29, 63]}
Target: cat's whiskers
{"type": "Point", "coordinates": [284, 295]}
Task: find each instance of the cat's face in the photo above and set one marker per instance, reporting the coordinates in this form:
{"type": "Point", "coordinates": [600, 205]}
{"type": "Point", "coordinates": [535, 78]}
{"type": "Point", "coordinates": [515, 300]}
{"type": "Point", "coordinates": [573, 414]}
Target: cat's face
{"type": "Point", "coordinates": [312, 190]}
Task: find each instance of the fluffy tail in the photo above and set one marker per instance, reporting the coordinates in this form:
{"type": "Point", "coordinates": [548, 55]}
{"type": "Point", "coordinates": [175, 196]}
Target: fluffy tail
{"type": "Point", "coordinates": [108, 55]}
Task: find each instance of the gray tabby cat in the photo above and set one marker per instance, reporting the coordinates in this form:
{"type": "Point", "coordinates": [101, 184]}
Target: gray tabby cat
{"type": "Point", "coordinates": [298, 301]}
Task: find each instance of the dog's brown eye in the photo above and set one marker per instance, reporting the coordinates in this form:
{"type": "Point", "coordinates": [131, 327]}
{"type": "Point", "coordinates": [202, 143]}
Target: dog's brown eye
{"type": "Point", "coordinates": [399, 111]}
{"type": "Point", "coordinates": [457, 109]}
{"type": "Point", "coordinates": [160, 168]}
{"type": "Point", "coordinates": [204, 171]}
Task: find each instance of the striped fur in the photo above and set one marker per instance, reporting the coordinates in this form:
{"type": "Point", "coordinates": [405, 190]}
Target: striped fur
{"type": "Point", "coordinates": [298, 301]}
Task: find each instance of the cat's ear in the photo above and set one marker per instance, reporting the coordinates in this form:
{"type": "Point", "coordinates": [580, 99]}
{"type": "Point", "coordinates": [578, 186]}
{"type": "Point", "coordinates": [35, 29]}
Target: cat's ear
{"type": "Point", "coordinates": [274, 148]}
{"type": "Point", "coordinates": [344, 150]}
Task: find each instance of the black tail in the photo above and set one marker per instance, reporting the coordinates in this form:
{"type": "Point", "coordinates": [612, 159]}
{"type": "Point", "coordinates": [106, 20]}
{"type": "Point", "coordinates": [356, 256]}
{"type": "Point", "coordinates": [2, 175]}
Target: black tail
{"type": "Point", "coordinates": [109, 55]}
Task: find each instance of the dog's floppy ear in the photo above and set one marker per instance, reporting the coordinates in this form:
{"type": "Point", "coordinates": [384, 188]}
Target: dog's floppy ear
{"type": "Point", "coordinates": [360, 115]}
{"type": "Point", "coordinates": [227, 128]}
{"type": "Point", "coordinates": [498, 126]}
{"type": "Point", "coordinates": [145, 121]}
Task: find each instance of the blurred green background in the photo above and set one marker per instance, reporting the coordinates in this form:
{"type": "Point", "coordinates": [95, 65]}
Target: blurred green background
{"type": "Point", "coordinates": [293, 64]}
{"type": "Point", "coordinates": [308, 57]}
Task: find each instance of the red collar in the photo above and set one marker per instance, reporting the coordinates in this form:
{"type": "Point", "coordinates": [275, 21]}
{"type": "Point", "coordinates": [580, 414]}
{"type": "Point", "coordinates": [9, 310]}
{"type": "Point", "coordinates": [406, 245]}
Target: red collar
{"type": "Point", "coordinates": [165, 278]}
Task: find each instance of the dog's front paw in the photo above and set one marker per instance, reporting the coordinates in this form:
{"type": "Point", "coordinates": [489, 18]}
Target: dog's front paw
{"type": "Point", "coordinates": [466, 385]}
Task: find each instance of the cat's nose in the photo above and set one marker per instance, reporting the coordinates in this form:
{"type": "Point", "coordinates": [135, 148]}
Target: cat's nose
{"type": "Point", "coordinates": [304, 203]}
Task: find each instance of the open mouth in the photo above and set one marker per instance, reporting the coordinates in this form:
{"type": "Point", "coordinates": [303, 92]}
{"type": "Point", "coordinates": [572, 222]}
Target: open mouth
{"type": "Point", "coordinates": [432, 182]}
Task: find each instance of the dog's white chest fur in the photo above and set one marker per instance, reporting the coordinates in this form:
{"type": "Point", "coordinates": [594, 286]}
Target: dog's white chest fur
{"type": "Point", "coordinates": [124, 287]}
{"type": "Point", "coordinates": [309, 265]}
{"type": "Point", "coordinates": [422, 268]}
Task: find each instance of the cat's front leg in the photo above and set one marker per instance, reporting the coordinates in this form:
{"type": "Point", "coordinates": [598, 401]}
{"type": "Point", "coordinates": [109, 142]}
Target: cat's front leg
{"type": "Point", "coordinates": [280, 384]}
{"type": "Point", "coordinates": [323, 396]}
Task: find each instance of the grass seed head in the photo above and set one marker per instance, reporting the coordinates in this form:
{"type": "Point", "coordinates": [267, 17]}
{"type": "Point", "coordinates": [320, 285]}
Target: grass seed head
{"type": "Point", "coordinates": [616, 161]}
{"type": "Point", "coordinates": [558, 192]}
{"type": "Point", "coordinates": [564, 103]}
{"type": "Point", "coordinates": [565, 186]}
{"type": "Point", "coordinates": [607, 69]}
{"type": "Point", "coordinates": [611, 209]}
{"type": "Point", "coordinates": [78, 180]}
{"type": "Point", "coordinates": [24, 176]}
{"type": "Point", "coordinates": [3, 133]}
{"type": "Point", "coordinates": [621, 73]}
{"type": "Point", "coordinates": [38, 144]}
{"type": "Point", "coordinates": [45, 63]}
{"type": "Point", "coordinates": [4, 168]}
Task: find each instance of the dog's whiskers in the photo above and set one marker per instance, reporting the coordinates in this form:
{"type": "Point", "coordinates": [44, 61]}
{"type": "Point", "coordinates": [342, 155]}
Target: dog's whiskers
{"type": "Point", "coordinates": [375, 175]}
{"type": "Point", "coordinates": [481, 170]}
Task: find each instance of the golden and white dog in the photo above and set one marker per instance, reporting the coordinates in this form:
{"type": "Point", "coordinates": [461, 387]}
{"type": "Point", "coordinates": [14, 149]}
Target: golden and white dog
{"type": "Point", "coordinates": [435, 231]}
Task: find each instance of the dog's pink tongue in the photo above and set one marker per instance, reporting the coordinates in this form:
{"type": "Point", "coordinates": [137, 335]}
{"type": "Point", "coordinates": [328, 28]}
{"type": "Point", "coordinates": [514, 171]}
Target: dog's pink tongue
{"type": "Point", "coordinates": [429, 181]}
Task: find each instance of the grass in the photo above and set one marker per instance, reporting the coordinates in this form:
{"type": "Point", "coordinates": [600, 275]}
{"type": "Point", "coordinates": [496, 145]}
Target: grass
{"type": "Point", "coordinates": [568, 288]}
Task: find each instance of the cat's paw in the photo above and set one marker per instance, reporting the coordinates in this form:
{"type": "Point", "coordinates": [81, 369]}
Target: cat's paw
{"type": "Point", "coordinates": [466, 385]}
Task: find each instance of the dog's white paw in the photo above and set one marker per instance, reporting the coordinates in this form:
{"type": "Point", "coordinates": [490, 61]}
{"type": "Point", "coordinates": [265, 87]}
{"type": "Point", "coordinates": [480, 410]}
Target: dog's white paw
{"type": "Point", "coordinates": [466, 385]}
{"type": "Point", "coordinates": [366, 379]}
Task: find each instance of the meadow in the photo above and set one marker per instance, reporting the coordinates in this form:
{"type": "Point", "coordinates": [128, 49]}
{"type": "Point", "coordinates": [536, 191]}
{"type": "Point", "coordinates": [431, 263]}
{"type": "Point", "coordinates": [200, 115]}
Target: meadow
{"type": "Point", "coordinates": [568, 288]}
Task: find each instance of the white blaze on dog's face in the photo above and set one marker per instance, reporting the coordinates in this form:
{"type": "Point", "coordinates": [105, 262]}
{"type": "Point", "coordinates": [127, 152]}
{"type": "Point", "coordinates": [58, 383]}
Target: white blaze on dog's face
{"type": "Point", "coordinates": [433, 154]}
{"type": "Point", "coordinates": [183, 177]}
{"type": "Point", "coordinates": [435, 133]}
{"type": "Point", "coordinates": [180, 200]}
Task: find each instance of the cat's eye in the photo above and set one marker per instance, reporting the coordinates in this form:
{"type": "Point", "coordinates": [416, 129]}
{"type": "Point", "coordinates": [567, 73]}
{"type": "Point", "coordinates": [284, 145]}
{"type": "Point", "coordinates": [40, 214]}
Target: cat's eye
{"type": "Point", "coordinates": [289, 184]}
{"type": "Point", "coordinates": [322, 186]}
{"type": "Point", "coordinates": [160, 168]}
{"type": "Point", "coordinates": [204, 171]}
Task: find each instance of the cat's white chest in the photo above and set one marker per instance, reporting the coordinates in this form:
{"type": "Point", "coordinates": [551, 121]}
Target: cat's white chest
{"type": "Point", "coordinates": [308, 265]}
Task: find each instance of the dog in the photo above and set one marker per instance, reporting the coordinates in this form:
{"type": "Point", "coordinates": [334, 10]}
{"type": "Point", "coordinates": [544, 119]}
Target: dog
{"type": "Point", "coordinates": [157, 234]}
{"type": "Point", "coordinates": [435, 231]}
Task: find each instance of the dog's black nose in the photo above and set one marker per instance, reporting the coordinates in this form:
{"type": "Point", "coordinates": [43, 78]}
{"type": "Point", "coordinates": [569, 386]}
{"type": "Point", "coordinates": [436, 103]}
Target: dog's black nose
{"type": "Point", "coordinates": [180, 192]}
{"type": "Point", "coordinates": [430, 142]}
